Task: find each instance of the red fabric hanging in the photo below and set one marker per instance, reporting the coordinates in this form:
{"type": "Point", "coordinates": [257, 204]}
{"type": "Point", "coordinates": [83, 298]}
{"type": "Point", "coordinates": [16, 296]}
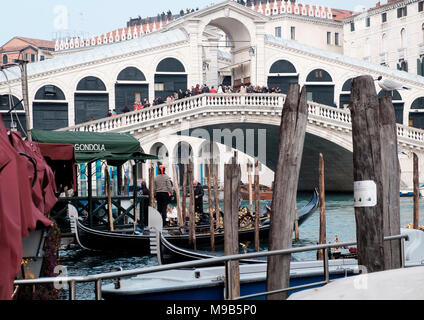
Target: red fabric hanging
{"type": "Point", "coordinates": [19, 206]}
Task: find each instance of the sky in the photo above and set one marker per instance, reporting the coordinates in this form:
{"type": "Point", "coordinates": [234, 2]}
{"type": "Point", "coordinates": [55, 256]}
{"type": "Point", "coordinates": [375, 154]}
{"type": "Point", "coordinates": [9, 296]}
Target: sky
{"type": "Point", "coordinates": [48, 19]}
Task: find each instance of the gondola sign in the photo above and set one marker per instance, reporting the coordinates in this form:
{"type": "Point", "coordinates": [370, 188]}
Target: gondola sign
{"type": "Point", "coordinates": [90, 147]}
{"type": "Point", "coordinates": [365, 194]}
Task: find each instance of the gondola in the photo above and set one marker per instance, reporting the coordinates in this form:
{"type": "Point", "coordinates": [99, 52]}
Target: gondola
{"type": "Point", "coordinates": [410, 192]}
{"type": "Point", "coordinates": [170, 253]}
{"type": "Point", "coordinates": [140, 242]}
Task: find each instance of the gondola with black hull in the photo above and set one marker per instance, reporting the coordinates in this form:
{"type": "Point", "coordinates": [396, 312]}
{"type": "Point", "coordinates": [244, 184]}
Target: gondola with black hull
{"type": "Point", "coordinates": [169, 253]}
{"type": "Point", "coordinates": [140, 242]}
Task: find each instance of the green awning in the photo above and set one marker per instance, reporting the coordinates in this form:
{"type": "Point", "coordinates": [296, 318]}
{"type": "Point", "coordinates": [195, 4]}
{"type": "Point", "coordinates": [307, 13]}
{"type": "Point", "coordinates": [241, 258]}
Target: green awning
{"type": "Point", "coordinates": [116, 148]}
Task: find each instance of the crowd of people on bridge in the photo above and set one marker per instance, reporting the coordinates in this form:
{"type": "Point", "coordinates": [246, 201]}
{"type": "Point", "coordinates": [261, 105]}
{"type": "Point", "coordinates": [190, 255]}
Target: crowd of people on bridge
{"type": "Point", "coordinates": [221, 89]}
{"type": "Point", "coordinates": [194, 91]}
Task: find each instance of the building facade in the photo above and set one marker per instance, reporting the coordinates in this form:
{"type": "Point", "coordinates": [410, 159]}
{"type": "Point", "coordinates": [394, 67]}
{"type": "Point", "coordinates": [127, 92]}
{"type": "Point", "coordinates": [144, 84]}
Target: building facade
{"type": "Point", "coordinates": [273, 43]}
{"type": "Point", "coordinates": [31, 50]}
{"type": "Point", "coordinates": [390, 35]}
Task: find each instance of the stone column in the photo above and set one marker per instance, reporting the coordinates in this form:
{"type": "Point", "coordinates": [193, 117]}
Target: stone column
{"type": "Point", "coordinates": [111, 92]}
{"type": "Point", "coordinates": [71, 109]}
{"type": "Point", "coordinates": [195, 68]}
{"type": "Point", "coordinates": [260, 73]}
{"type": "Point", "coordinates": [151, 80]}
{"type": "Point", "coordinates": [212, 60]}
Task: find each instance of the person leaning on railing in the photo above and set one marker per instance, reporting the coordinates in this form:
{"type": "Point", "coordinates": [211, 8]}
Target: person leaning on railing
{"type": "Point", "coordinates": [146, 103]}
{"type": "Point", "coordinates": [138, 106]}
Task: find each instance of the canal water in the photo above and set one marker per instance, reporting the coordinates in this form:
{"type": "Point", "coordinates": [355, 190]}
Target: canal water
{"type": "Point", "coordinates": [340, 219]}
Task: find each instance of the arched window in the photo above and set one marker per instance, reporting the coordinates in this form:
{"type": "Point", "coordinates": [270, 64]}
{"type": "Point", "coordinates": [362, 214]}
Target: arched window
{"type": "Point", "coordinates": [170, 77]}
{"type": "Point", "coordinates": [345, 94]}
{"type": "Point", "coordinates": [91, 84]}
{"type": "Point", "coordinates": [320, 88]}
{"type": "Point", "coordinates": [282, 66]}
{"type": "Point", "coordinates": [131, 74]}
{"type": "Point", "coordinates": [50, 109]}
{"type": "Point", "coordinates": [50, 92]}
{"type": "Point", "coordinates": [347, 86]}
{"type": "Point", "coordinates": [319, 75]}
{"type": "Point", "coordinates": [282, 74]}
{"type": "Point", "coordinates": [130, 89]}
{"type": "Point", "coordinates": [398, 103]}
{"type": "Point", "coordinates": [416, 116]}
{"type": "Point", "coordinates": [418, 103]}
{"type": "Point", "coordinates": [403, 38]}
{"type": "Point", "coordinates": [91, 100]}
{"type": "Point", "coordinates": [5, 59]}
{"type": "Point", "coordinates": [17, 117]}
{"type": "Point", "coordinates": [170, 65]}
{"type": "Point", "coordinates": [403, 65]}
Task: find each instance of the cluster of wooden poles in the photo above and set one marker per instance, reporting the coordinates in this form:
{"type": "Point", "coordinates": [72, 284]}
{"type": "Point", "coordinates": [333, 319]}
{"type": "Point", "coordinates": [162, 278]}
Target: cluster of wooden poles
{"type": "Point", "coordinates": [213, 198]}
{"type": "Point", "coordinates": [416, 214]}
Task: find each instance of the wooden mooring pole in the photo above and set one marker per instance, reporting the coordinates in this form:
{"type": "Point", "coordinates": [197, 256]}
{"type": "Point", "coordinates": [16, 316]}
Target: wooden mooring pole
{"type": "Point", "coordinates": [250, 184]}
{"type": "Point", "coordinates": [257, 207]}
{"type": "Point", "coordinates": [376, 175]}
{"type": "Point", "coordinates": [231, 227]}
{"type": "Point", "coordinates": [416, 192]}
{"type": "Point", "coordinates": [290, 151]}
{"type": "Point", "coordinates": [390, 181]}
{"type": "Point", "coordinates": [367, 169]}
{"type": "Point", "coordinates": [152, 185]}
{"type": "Point", "coordinates": [296, 226]}
{"type": "Point", "coordinates": [176, 172]}
{"type": "Point", "coordinates": [135, 194]}
{"type": "Point", "coordinates": [322, 220]}
{"type": "Point", "coordinates": [211, 219]}
{"type": "Point", "coordinates": [184, 195]}
{"type": "Point", "coordinates": [192, 221]}
{"type": "Point", "coordinates": [216, 195]}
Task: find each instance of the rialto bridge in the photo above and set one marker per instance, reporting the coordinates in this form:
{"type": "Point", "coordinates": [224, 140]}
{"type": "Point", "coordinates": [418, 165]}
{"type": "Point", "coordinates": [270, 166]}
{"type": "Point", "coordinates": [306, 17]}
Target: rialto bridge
{"type": "Point", "coordinates": [70, 90]}
{"type": "Point", "coordinates": [213, 126]}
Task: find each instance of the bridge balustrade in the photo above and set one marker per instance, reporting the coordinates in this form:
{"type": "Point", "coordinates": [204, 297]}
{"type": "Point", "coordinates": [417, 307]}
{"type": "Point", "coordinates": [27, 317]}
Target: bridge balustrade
{"type": "Point", "coordinates": [259, 102]}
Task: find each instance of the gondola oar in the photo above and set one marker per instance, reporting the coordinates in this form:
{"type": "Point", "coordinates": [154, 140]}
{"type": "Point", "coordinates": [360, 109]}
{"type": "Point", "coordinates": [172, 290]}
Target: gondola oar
{"type": "Point", "coordinates": [109, 197]}
{"type": "Point", "coordinates": [177, 195]}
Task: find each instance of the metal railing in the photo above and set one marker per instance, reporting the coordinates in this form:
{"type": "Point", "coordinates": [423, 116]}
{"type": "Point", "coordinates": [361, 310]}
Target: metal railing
{"type": "Point", "coordinates": [254, 102]}
{"type": "Point", "coordinates": [97, 279]}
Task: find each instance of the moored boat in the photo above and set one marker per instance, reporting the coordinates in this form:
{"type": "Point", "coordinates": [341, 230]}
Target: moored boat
{"type": "Point", "coordinates": [265, 192]}
{"type": "Point", "coordinates": [169, 253]}
{"type": "Point", "coordinates": [411, 193]}
{"type": "Point", "coordinates": [208, 283]}
{"type": "Point", "coordinates": [398, 284]}
{"type": "Point", "coordinates": [140, 242]}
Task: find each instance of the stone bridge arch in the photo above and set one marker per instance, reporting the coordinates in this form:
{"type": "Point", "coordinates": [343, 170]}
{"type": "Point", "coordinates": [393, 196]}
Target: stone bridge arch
{"type": "Point", "coordinates": [241, 25]}
{"type": "Point", "coordinates": [335, 145]}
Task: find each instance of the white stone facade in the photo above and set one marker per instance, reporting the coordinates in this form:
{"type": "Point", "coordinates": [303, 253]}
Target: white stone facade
{"type": "Point", "coordinates": [255, 49]}
{"type": "Point", "coordinates": [382, 37]}
{"type": "Point", "coordinates": [247, 29]}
